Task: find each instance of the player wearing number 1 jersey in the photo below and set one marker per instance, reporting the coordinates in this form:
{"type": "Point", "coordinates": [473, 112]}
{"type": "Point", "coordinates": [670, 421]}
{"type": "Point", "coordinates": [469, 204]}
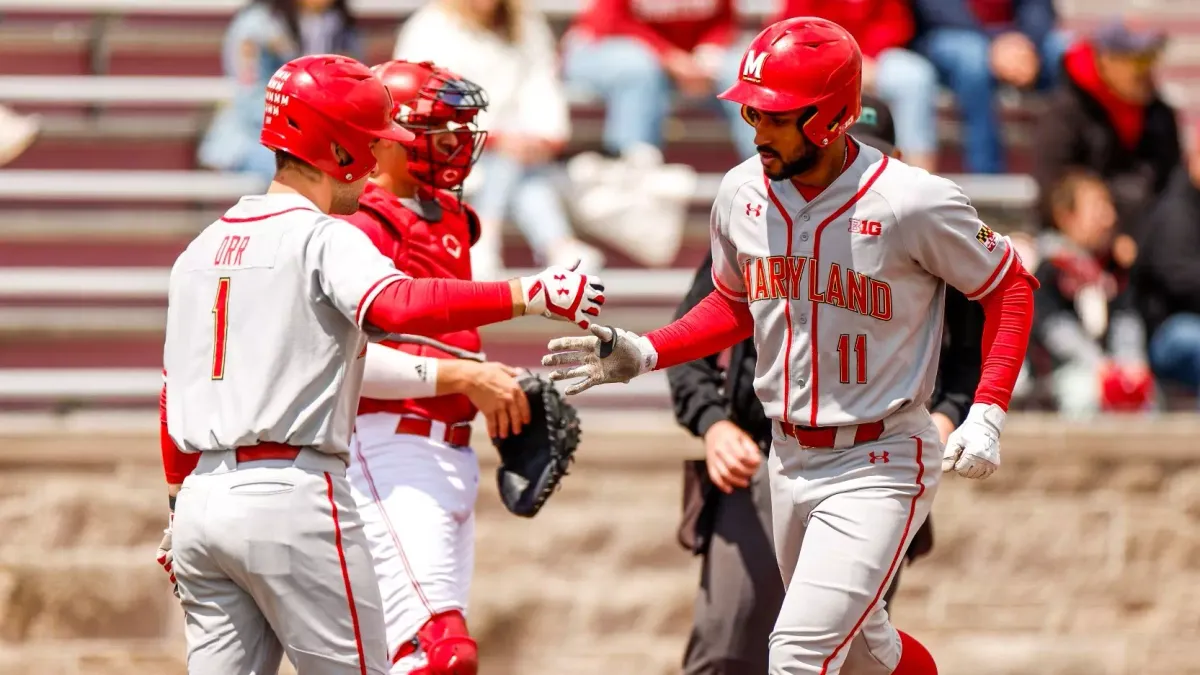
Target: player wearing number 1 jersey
{"type": "Point", "coordinates": [835, 259]}
{"type": "Point", "coordinates": [268, 311]}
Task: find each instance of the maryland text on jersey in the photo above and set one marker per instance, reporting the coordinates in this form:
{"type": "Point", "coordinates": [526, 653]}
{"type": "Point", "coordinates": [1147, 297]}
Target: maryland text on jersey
{"type": "Point", "coordinates": [797, 277]}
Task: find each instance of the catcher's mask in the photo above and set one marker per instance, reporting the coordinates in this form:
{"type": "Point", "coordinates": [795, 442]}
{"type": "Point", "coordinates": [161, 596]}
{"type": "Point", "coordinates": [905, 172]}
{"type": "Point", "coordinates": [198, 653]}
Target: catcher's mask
{"type": "Point", "coordinates": [440, 108]}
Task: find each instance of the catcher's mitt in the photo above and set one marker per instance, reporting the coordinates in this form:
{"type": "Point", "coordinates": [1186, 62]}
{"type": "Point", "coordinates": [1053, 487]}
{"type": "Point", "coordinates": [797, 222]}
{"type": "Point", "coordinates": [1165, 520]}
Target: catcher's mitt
{"type": "Point", "coordinates": [533, 462]}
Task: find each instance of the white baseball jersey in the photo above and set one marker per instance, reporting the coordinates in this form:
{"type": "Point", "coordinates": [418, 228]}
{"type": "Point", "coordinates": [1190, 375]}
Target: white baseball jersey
{"type": "Point", "coordinates": [847, 290]}
{"type": "Point", "coordinates": [265, 328]}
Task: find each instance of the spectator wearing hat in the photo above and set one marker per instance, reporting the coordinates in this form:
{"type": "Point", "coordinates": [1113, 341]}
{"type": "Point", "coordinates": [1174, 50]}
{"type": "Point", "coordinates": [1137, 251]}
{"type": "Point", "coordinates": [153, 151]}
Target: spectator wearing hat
{"type": "Point", "coordinates": [1167, 276]}
{"type": "Point", "coordinates": [903, 78]}
{"type": "Point", "coordinates": [1107, 116]}
{"type": "Point", "coordinates": [976, 45]}
{"type": "Point", "coordinates": [727, 517]}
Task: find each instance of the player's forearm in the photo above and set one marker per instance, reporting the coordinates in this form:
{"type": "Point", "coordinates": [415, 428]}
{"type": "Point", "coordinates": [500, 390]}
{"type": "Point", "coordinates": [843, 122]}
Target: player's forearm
{"type": "Point", "coordinates": [714, 324]}
{"type": "Point", "coordinates": [390, 374]}
{"type": "Point", "coordinates": [177, 464]}
{"type": "Point", "coordinates": [427, 306]}
{"type": "Point", "coordinates": [1008, 319]}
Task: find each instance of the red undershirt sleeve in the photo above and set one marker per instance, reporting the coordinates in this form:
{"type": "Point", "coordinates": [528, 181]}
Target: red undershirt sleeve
{"type": "Point", "coordinates": [716, 323]}
{"type": "Point", "coordinates": [428, 306]}
{"type": "Point", "coordinates": [177, 464]}
{"type": "Point", "coordinates": [1007, 320]}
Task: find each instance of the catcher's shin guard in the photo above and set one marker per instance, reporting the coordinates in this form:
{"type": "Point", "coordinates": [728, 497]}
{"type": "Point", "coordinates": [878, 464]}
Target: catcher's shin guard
{"type": "Point", "coordinates": [449, 648]}
{"type": "Point", "coordinates": [915, 659]}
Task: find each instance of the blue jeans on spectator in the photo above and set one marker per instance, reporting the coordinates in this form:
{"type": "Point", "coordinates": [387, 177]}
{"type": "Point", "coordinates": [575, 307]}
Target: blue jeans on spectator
{"type": "Point", "coordinates": [908, 83]}
{"type": "Point", "coordinates": [963, 59]}
{"type": "Point", "coordinates": [1175, 350]}
{"type": "Point", "coordinates": [637, 90]}
{"type": "Point", "coordinates": [524, 195]}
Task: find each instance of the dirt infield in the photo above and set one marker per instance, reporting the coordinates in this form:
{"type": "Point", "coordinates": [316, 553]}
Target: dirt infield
{"type": "Point", "coordinates": [1081, 556]}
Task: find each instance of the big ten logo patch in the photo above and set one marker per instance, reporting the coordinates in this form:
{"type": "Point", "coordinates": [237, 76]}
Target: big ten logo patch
{"type": "Point", "coordinates": [868, 227]}
{"type": "Point", "coordinates": [987, 237]}
{"type": "Point", "coordinates": [660, 11]}
{"type": "Point", "coordinates": [276, 99]}
{"type": "Point", "coordinates": [752, 65]}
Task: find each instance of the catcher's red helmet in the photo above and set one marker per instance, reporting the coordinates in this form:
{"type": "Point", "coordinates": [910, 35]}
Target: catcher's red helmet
{"type": "Point", "coordinates": [802, 63]}
{"type": "Point", "coordinates": [314, 102]}
{"type": "Point", "coordinates": [432, 101]}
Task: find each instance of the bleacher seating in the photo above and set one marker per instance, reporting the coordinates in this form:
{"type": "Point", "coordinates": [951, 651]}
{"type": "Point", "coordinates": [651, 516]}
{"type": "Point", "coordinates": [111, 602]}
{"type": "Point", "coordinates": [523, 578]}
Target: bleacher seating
{"type": "Point", "coordinates": [95, 211]}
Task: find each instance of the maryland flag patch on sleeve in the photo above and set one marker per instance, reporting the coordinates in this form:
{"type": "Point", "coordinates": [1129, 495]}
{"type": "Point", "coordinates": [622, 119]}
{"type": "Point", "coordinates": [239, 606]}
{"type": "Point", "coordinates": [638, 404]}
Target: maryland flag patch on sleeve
{"type": "Point", "coordinates": [987, 237]}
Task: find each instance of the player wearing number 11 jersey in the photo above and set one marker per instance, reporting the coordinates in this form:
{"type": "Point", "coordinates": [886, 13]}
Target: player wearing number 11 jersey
{"type": "Point", "coordinates": [835, 259]}
{"type": "Point", "coordinates": [268, 311]}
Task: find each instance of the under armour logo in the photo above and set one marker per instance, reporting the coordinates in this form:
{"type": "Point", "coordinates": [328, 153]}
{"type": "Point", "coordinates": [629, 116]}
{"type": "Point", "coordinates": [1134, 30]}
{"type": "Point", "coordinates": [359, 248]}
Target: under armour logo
{"type": "Point", "coordinates": [563, 291]}
{"type": "Point", "coordinates": [560, 277]}
{"type": "Point", "coordinates": [882, 457]}
{"type": "Point", "coordinates": [753, 209]}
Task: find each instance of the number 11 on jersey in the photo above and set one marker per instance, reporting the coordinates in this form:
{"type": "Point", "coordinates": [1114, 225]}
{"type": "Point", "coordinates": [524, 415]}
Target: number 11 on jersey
{"type": "Point", "coordinates": [220, 328]}
{"type": "Point", "coordinates": [860, 358]}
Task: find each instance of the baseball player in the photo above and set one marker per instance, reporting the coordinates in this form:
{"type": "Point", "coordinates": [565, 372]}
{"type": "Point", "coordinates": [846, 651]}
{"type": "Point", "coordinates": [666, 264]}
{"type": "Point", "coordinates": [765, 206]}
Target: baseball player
{"type": "Point", "coordinates": [412, 471]}
{"type": "Point", "coordinates": [835, 259]}
{"type": "Point", "coordinates": [266, 319]}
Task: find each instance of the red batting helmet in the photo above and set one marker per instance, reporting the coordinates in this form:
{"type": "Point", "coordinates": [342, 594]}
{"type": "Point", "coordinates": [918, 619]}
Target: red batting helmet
{"type": "Point", "coordinates": [803, 63]}
{"type": "Point", "coordinates": [431, 102]}
{"type": "Point", "coordinates": [315, 102]}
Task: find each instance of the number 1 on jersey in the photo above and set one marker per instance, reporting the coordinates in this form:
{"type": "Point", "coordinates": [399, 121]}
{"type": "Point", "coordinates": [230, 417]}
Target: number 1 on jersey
{"type": "Point", "coordinates": [860, 358]}
{"type": "Point", "coordinates": [220, 328]}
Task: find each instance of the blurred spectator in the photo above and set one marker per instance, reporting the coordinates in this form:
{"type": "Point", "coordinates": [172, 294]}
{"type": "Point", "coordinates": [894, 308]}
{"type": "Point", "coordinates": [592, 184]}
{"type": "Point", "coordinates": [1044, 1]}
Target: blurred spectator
{"type": "Point", "coordinates": [17, 133]}
{"type": "Point", "coordinates": [903, 78]}
{"type": "Point", "coordinates": [637, 53]}
{"type": "Point", "coordinates": [977, 44]}
{"type": "Point", "coordinates": [1107, 116]}
{"type": "Point", "coordinates": [1167, 276]}
{"type": "Point", "coordinates": [511, 53]}
{"type": "Point", "coordinates": [262, 37]}
{"type": "Point", "coordinates": [1085, 317]}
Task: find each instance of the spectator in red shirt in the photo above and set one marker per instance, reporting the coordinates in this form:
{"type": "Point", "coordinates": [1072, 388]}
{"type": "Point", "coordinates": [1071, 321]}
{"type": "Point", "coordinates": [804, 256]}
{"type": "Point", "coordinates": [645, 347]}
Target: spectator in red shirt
{"type": "Point", "coordinates": [637, 53]}
{"type": "Point", "coordinates": [904, 79]}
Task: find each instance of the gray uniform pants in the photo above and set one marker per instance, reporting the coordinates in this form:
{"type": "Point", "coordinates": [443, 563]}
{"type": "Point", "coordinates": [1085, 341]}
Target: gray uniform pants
{"type": "Point", "coordinates": [271, 559]}
{"type": "Point", "coordinates": [741, 591]}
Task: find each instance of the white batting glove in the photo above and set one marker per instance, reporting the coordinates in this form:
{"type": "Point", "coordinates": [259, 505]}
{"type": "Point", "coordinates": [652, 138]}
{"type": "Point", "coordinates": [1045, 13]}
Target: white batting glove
{"type": "Point", "coordinates": [562, 293]}
{"type": "Point", "coordinates": [973, 449]}
{"type": "Point", "coordinates": [166, 556]}
{"type": "Point", "coordinates": [607, 355]}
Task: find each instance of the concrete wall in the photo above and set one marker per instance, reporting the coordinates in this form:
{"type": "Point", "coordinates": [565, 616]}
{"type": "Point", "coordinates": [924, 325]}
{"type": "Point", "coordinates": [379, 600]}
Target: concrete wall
{"type": "Point", "coordinates": [1081, 556]}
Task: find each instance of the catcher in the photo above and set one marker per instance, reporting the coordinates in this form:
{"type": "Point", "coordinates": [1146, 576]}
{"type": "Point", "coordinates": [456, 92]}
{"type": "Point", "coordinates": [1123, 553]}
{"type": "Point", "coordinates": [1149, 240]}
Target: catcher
{"type": "Point", "coordinates": [412, 471]}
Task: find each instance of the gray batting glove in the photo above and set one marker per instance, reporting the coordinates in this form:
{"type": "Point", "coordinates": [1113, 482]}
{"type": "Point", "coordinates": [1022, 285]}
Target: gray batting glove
{"type": "Point", "coordinates": [609, 354]}
{"type": "Point", "coordinates": [973, 449]}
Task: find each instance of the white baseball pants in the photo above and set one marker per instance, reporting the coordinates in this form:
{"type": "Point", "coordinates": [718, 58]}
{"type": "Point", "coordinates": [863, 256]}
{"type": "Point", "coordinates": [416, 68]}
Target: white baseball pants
{"type": "Point", "coordinates": [416, 497]}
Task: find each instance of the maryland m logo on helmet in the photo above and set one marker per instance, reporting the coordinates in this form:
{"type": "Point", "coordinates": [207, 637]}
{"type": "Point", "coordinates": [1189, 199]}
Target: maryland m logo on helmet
{"type": "Point", "coordinates": [752, 65]}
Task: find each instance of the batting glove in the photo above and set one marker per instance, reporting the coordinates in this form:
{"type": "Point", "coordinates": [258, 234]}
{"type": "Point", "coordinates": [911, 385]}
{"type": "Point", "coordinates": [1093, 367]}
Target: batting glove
{"type": "Point", "coordinates": [973, 449]}
{"type": "Point", "coordinates": [607, 355]}
{"type": "Point", "coordinates": [166, 556]}
{"type": "Point", "coordinates": [563, 294]}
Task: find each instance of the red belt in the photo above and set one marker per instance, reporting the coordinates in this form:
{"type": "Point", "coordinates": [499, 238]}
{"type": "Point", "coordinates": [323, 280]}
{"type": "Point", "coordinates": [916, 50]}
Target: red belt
{"type": "Point", "coordinates": [266, 450]}
{"type": "Point", "coordinates": [455, 434]}
{"type": "Point", "coordinates": [826, 437]}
